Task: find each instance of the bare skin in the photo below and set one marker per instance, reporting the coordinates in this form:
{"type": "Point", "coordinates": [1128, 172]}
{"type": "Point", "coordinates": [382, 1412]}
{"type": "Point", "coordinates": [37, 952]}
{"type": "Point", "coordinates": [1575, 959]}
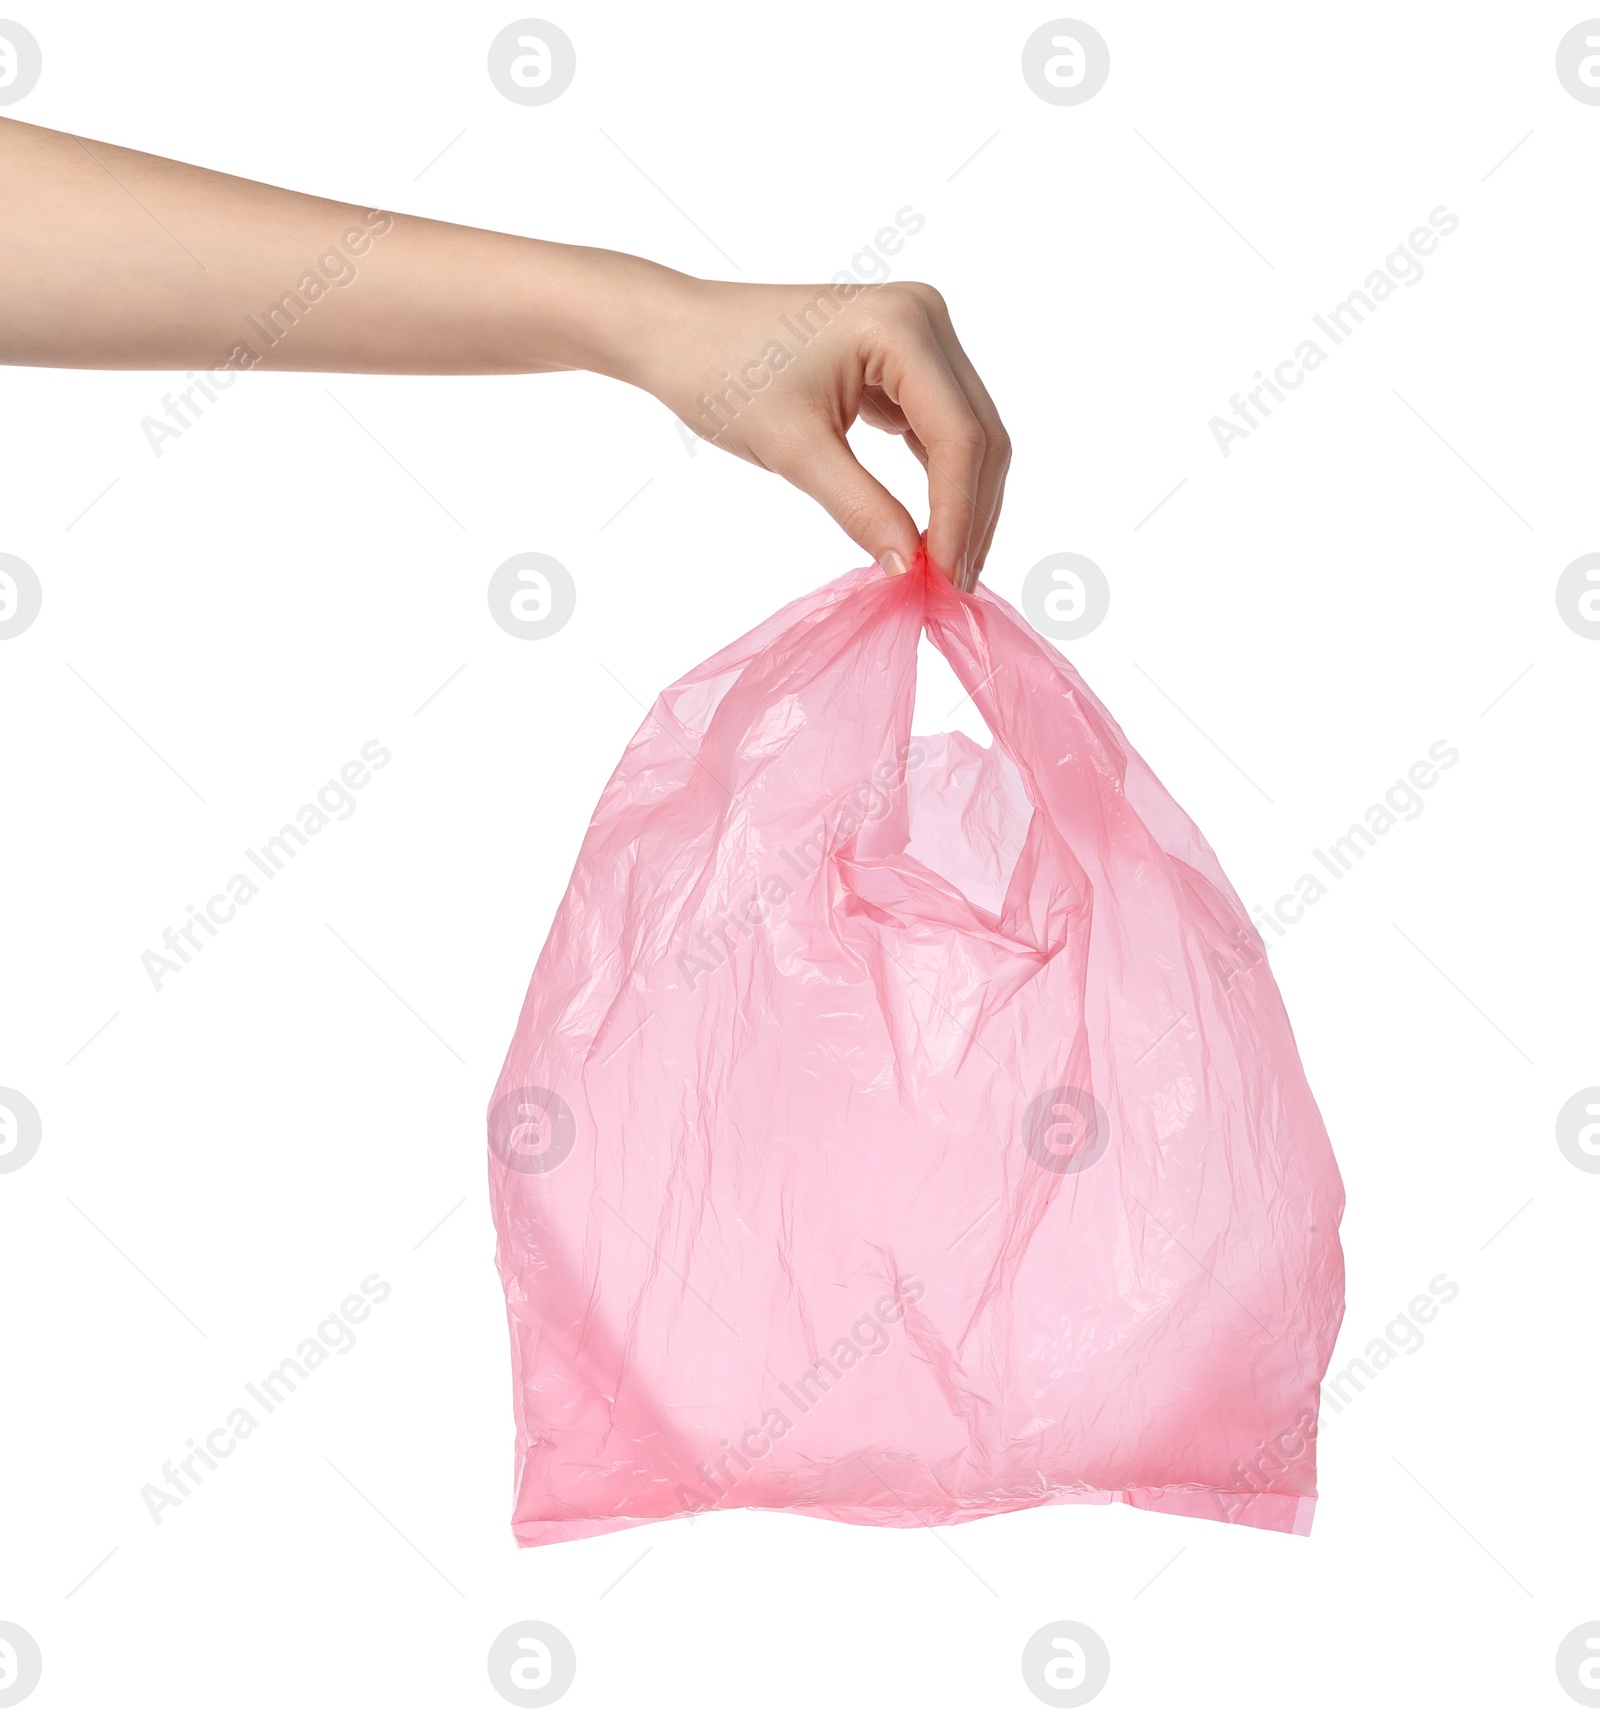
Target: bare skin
{"type": "Point", "coordinates": [117, 260]}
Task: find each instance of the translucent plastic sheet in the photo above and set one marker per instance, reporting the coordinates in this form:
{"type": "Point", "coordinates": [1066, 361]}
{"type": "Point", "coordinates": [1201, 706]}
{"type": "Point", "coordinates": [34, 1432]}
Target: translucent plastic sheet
{"type": "Point", "coordinates": [898, 1131]}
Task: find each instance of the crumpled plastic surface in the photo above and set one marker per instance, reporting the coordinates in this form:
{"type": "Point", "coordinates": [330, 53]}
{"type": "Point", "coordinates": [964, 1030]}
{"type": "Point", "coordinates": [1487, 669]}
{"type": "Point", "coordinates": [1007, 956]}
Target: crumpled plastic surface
{"type": "Point", "coordinates": [898, 1131]}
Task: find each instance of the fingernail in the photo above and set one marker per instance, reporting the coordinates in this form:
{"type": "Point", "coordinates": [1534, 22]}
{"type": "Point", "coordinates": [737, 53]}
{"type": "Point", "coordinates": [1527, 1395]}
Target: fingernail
{"type": "Point", "coordinates": [892, 564]}
{"type": "Point", "coordinates": [960, 576]}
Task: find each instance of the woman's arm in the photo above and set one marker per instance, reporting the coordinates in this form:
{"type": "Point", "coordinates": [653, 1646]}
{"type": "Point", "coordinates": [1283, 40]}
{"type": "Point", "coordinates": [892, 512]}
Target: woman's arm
{"type": "Point", "coordinates": [115, 259]}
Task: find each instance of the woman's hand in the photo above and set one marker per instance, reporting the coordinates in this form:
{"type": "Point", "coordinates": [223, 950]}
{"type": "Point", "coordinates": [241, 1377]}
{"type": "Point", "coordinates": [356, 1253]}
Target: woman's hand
{"type": "Point", "coordinates": [778, 375]}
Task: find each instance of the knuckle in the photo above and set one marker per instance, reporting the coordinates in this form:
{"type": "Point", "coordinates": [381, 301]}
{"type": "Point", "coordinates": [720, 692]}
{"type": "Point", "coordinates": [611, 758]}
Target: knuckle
{"type": "Point", "coordinates": [906, 303]}
{"type": "Point", "coordinates": [927, 296]}
{"type": "Point", "coordinates": [857, 516]}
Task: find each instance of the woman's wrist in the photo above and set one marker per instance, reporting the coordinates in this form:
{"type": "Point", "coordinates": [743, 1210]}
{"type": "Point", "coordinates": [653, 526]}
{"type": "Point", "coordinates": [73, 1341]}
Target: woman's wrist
{"type": "Point", "coordinates": [613, 313]}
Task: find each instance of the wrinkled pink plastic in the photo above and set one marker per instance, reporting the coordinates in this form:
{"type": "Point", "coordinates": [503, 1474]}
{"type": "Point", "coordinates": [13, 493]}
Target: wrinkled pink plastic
{"type": "Point", "coordinates": [776, 1225]}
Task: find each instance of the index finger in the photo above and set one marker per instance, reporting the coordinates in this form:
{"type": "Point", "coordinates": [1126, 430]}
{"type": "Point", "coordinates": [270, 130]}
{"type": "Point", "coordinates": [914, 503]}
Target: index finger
{"type": "Point", "coordinates": [997, 456]}
{"type": "Point", "coordinates": [917, 375]}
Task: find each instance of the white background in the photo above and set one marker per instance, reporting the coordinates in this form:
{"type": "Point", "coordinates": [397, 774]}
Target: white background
{"type": "Point", "coordinates": [1288, 632]}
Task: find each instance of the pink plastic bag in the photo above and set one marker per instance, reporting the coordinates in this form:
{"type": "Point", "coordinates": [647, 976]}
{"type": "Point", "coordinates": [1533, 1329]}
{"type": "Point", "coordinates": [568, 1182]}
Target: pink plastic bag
{"type": "Point", "coordinates": [898, 1131]}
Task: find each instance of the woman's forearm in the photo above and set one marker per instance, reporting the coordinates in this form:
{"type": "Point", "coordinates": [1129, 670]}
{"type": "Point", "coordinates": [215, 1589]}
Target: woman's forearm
{"type": "Point", "coordinates": [115, 259]}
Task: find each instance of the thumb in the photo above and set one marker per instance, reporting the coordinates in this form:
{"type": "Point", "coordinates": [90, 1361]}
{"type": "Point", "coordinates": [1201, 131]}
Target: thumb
{"type": "Point", "coordinates": [825, 468]}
